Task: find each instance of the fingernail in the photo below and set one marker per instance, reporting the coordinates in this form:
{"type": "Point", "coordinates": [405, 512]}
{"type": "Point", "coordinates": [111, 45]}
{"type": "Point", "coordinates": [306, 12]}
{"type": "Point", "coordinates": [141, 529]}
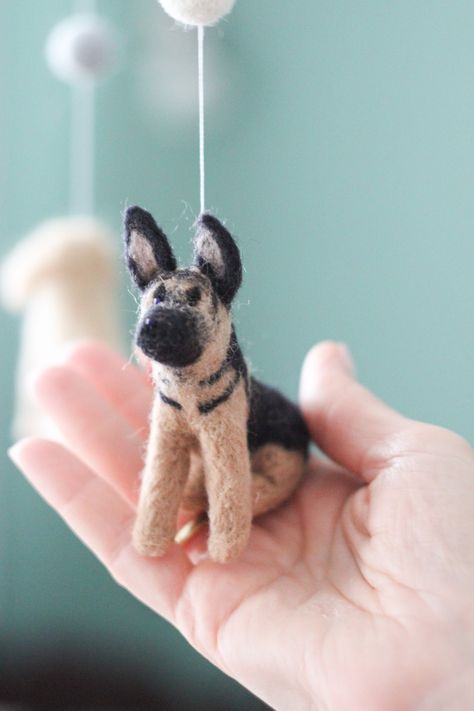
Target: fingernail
{"type": "Point", "coordinates": [196, 556]}
{"type": "Point", "coordinates": [346, 358]}
{"type": "Point", "coordinates": [13, 452]}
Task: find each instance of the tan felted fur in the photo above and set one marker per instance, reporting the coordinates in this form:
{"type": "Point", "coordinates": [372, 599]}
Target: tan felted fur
{"type": "Point", "coordinates": [222, 437]}
{"type": "Point", "coordinates": [220, 441]}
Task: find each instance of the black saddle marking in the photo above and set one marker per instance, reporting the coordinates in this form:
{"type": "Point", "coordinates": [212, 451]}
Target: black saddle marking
{"type": "Point", "coordinates": [170, 402]}
{"type": "Point", "coordinates": [274, 420]}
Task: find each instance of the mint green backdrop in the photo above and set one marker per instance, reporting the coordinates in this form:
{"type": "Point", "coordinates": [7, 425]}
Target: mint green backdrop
{"type": "Point", "coordinates": [340, 151]}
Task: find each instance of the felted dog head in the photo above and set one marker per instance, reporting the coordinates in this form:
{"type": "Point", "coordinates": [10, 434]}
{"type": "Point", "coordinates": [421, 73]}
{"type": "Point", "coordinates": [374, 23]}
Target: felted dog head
{"type": "Point", "coordinates": [183, 311]}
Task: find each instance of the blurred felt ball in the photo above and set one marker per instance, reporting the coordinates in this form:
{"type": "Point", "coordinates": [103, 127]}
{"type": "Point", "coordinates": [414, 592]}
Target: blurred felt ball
{"type": "Point", "coordinates": [81, 48]}
{"type": "Point", "coordinates": [197, 12]}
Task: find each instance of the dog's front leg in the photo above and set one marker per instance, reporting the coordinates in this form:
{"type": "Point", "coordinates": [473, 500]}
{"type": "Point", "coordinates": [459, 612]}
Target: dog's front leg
{"type": "Point", "coordinates": [164, 476]}
{"type": "Point", "coordinates": [228, 478]}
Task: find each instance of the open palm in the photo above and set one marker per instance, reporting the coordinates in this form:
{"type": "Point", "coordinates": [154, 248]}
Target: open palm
{"type": "Point", "coordinates": [357, 594]}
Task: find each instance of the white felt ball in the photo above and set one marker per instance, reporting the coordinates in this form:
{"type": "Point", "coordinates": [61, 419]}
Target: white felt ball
{"type": "Point", "coordinates": [81, 48]}
{"type": "Point", "coordinates": [197, 12]}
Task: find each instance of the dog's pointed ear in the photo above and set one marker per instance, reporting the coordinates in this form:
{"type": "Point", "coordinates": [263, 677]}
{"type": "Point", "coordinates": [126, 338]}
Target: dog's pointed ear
{"type": "Point", "coordinates": [147, 249]}
{"type": "Point", "coordinates": [218, 257]}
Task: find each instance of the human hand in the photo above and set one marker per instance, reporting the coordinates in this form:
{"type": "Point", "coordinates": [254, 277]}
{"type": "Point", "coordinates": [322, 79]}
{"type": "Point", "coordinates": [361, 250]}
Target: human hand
{"type": "Point", "coordinates": [357, 594]}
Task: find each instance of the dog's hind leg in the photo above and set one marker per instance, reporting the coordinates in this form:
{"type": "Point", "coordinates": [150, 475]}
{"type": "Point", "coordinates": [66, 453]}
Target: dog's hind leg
{"type": "Point", "coordinates": [276, 472]}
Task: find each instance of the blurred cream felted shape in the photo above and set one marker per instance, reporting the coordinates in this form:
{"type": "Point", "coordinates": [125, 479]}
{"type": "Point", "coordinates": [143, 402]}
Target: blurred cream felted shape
{"type": "Point", "coordinates": [63, 277]}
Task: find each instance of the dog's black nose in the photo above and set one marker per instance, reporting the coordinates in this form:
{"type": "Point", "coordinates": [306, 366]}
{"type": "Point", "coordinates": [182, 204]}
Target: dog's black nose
{"type": "Point", "coordinates": [170, 336]}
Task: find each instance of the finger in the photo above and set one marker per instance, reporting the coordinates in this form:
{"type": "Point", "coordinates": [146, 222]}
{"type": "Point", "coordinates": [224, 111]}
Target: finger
{"type": "Point", "coordinates": [102, 520]}
{"type": "Point", "coordinates": [92, 429]}
{"type": "Point", "coordinates": [347, 421]}
{"type": "Point", "coordinates": [114, 377]}
{"type": "Point", "coordinates": [123, 385]}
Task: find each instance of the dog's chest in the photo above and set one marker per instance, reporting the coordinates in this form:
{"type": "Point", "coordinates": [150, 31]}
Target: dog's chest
{"type": "Point", "coordinates": [194, 396]}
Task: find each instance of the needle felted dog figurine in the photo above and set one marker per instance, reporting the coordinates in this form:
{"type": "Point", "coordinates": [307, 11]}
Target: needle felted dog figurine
{"type": "Point", "coordinates": [220, 441]}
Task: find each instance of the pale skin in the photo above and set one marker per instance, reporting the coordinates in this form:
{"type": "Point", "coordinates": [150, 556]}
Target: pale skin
{"type": "Point", "coordinates": [357, 594]}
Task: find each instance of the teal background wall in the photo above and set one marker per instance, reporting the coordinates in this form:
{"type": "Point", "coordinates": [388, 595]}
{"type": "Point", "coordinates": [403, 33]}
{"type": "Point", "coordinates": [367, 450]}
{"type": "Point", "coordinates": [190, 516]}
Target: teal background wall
{"type": "Point", "coordinates": [340, 150]}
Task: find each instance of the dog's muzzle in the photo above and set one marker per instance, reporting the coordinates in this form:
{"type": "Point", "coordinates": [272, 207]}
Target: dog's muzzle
{"type": "Point", "coordinates": [170, 336]}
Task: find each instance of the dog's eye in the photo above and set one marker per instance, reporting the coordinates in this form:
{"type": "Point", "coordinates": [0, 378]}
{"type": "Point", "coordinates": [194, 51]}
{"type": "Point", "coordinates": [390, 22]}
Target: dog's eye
{"type": "Point", "coordinates": [193, 296]}
{"type": "Point", "coordinates": [159, 295]}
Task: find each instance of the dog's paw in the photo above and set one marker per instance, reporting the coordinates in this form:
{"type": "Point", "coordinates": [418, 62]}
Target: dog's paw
{"type": "Point", "coordinates": [225, 546]}
{"type": "Point", "coordinates": [151, 543]}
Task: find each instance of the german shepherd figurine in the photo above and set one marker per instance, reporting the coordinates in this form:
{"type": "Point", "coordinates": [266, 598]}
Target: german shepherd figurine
{"type": "Point", "coordinates": [220, 441]}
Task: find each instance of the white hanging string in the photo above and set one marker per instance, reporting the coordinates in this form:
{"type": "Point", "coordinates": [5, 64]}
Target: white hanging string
{"type": "Point", "coordinates": [82, 156]}
{"type": "Point", "coordinates": [202, 163]}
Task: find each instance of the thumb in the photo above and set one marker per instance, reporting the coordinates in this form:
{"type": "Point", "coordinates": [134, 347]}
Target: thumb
{"type": "Point", "coordinates": [349, 424]}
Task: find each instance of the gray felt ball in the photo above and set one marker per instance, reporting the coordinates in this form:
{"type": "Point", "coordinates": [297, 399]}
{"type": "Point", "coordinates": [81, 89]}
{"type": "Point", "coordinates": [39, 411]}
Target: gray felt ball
{"type": "Point", "coordinates": [81, 48]}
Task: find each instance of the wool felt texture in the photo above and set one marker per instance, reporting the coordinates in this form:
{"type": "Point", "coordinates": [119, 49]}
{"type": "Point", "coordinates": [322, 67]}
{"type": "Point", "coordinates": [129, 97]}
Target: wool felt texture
{"type": "Point", "coordinates": [63, 277]}
{"type": "Point", "coordinates": [220, 441]}
{"type": "Point", "coordinates": [197, 12]}
{"type": "Point", "coordinates": [81, 48]}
